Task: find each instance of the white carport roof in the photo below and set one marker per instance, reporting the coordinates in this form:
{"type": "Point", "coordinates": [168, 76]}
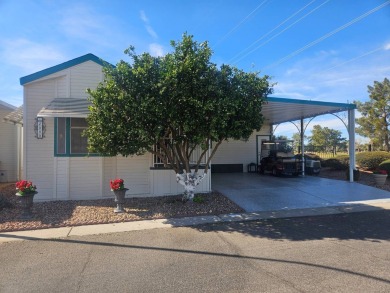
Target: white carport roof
{"type": "Point", "coordinates": [279, 110]}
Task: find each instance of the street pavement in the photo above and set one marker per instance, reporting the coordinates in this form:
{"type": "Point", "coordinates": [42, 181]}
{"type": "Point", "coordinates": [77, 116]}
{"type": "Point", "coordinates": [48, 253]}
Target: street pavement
{"type": "Point", "coordinates": [348, 252]}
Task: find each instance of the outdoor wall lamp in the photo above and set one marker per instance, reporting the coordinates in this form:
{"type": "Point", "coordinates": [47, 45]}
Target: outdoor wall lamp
{"type": "Point", "coordinates": [39, 127]}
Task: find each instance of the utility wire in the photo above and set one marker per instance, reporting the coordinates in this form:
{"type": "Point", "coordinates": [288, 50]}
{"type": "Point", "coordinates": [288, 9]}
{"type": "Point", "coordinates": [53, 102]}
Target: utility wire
{"type": "Point", "coordinates": [240, 23]}
{"type": "Point", "coordinates": [265, 35]}
{"type": "Point", "coordinates": [351, 60]}
{"type": "Point", "coordinates": [288, 27]}
{"type": "Point", "coordinates": [327, 35]}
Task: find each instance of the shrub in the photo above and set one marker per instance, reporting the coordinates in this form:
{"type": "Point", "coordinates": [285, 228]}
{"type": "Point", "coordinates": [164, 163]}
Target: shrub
{"type": "Point", "coordinates": [371, 160]}
{"type": "Point", "coordinates": [340, 162]}
{"type": "Point", "coordinates": [309, 156]}
{"type": "Point", "coordinates": [385, 165]}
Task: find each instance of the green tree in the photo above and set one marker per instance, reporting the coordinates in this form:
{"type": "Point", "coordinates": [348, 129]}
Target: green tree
{"type": "Point", "coordinates": [174, 107]}
{"type": "Point", "coordinates": [296, 137]}
{"type": "Point", "coordinates": [375, 120]}
{"type": "Point", "coordinates": [326, 139]}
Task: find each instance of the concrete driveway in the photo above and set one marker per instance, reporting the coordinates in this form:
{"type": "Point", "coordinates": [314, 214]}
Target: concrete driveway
{"type": "Point", "coordinates": [254, 192]}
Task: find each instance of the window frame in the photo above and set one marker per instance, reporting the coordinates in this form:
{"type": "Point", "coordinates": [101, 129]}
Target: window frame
{"type": "Point", "coordinates": [67, 141]}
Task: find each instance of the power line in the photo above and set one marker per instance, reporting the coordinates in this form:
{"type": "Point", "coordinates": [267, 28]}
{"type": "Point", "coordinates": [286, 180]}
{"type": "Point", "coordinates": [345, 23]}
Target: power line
{"type": "Point", "coordinates": [327, 35]}
{"type": "Point", "coordinates": [265, 35]}
{"type": "Point", "coordinates": [351, 60]}
{"type": "Point", "coordinates": [240, 23]}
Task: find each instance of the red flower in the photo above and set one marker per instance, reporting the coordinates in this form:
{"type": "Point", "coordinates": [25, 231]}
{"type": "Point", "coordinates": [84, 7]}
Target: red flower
{"type": "Point", "coordinates": [24, 186]}
{"type": "Point", "coordinates": [117, 184]}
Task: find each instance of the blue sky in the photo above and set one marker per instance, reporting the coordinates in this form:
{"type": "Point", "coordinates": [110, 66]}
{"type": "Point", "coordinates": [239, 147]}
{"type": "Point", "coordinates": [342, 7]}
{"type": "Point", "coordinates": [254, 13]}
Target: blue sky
{"type": "Point", "coordinates": [326, 50]}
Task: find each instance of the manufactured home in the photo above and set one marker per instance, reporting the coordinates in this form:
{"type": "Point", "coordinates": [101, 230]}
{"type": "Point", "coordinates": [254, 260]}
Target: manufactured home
{"type": "Point", "coordinates": [55, 153]}
{"type": "Point", "coordinates": [10, 145]}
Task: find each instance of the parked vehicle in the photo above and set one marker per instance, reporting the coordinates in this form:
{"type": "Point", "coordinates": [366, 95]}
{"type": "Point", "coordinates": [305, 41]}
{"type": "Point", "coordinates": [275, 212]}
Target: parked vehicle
{"type": "Point", "coordinates": [277, 157]}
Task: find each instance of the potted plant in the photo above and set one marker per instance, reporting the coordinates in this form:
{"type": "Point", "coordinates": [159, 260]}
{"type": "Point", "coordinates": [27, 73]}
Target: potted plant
{"type": "Point", "coordinates": [118, 187]}
{"type": "Point", "coordinates": [380, 176]}
{"type": "Point", "coordinates": [25, 190]}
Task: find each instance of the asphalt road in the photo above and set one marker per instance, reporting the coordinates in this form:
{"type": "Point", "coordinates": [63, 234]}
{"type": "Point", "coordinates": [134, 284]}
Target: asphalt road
{"type": "Point", "coordinates": [335, 253]}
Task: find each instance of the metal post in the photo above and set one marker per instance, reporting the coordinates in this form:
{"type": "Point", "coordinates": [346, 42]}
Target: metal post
{"type": "Point", "coordinates": [303, 147]}
{"type": "Point", "coordinates": [351, 131]}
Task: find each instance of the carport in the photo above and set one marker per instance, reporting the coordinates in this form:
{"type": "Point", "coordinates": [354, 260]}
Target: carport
{"type": "Point", "coordinates": [279, 110]}
{"type": "Point", "coordinates": [254, 192]}
{"type": "Point", "coordinates": [258, 193]}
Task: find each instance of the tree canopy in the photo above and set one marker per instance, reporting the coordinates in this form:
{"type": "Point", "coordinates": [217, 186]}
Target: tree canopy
{"type": "Point", "coordinates": [375, 120]}
{"type": "Point", "coordinates": [326, 139]}
{"type": "Point", "coordinates": [174, 105]}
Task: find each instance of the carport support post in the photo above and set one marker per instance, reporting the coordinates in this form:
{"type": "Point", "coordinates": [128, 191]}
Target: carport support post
{"type": "Point", "coordinates": [303, 147]}
{"type": "Point", "coordinates": [351, 132]}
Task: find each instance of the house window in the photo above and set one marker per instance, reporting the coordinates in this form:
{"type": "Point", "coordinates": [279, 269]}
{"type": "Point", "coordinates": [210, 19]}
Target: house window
{"type": "Point", "coordinates": [78, 142]}
{"type": "Point", "coordinates": [69, 138]}
{"type": "Point", "coordinates": [61, 136]}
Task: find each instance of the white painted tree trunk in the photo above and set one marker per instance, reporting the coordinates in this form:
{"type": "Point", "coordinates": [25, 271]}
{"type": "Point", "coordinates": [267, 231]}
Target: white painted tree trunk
{"type": "Point", "coordinates": [189, 181]}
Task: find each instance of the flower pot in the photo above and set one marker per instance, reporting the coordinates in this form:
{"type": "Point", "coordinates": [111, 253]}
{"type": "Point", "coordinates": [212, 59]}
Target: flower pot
{"type": "Point", "coordinates": [26, 202]}
{"type": "Point", "coordinates": [380, 179]}
{"type": "Point", "coordinates": [120, 200]}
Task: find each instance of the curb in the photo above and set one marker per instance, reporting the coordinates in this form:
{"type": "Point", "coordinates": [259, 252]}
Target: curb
{"type": "Point", "coordinates": [64, 232]}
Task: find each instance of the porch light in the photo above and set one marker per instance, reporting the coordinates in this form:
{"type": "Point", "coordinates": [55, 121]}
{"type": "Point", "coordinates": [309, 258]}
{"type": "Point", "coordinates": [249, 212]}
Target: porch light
{"type": "Point", "coordinates": [39, 127]}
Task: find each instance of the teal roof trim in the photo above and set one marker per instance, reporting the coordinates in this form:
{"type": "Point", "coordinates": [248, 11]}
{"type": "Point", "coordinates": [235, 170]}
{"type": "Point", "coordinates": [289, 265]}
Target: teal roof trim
{"type": "Point", "coordinates": [63, 66]}
{"type": "Point", "coordinates": [309, 102]}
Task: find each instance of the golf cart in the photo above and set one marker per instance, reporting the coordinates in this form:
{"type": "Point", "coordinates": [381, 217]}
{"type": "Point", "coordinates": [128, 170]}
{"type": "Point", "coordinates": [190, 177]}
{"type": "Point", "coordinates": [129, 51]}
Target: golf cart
{"type": "Point", "coordinates": [277, 158]}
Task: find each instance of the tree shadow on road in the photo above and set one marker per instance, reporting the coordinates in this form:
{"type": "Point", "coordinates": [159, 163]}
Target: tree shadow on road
{"type": "Point", "coordinates": [371, 226]}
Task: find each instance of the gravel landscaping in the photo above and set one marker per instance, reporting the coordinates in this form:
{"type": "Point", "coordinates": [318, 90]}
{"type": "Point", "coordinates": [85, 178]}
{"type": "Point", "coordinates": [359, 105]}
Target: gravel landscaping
{"type": "Point", "coordinates": [85, 212]}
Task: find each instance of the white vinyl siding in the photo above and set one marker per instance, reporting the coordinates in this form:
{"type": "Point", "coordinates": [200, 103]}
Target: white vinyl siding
{"type": "Point", "coordinates": [39, 152]}
{"type": "Point", "coordinates": [135, 172]}
{"type": "Point", "coordinates": [239, 152]}
{"type": "Point", "coordinates": [83, 76]}
{"type": "Point", "coordinates": [85, 178]}
{"type": "Point", "coordinates": [61, 178]}
{"type": "Point", "coordinates": [8, 148]}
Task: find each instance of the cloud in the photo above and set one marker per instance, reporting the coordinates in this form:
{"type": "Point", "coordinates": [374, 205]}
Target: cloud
{"type": "Point", "coordinates": [156, 50]}
{"type": "Point", "coordinates": [333, 77]}
{"type": "Point", "coordinates": [30, 56]}
{"type": "Point", "coordinates": [83, 22]}
{"type": "Point", "coordinates": [387, 47]}
{"type": "Point", "coordinates": [151, 32]}
{"type": "Point", "coordinates": [143, 16]}
{"type": "Point", "coordinates": [148, 27]}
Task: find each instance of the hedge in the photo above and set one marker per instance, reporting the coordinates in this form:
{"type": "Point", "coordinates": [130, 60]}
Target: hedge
{"type": "Point", "coordinates": [340, 162]}
{"type": "Point", "coordinates": [371, 160]}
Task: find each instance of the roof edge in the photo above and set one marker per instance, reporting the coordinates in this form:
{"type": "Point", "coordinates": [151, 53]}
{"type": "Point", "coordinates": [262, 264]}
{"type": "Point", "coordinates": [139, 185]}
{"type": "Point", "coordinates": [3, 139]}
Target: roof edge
{"type": "Point", "coordinates": [9, 106]}
{"type": "Point", "coordinates": [63, 66]}
{"type": "Point", "coordinates": [310, 102]}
